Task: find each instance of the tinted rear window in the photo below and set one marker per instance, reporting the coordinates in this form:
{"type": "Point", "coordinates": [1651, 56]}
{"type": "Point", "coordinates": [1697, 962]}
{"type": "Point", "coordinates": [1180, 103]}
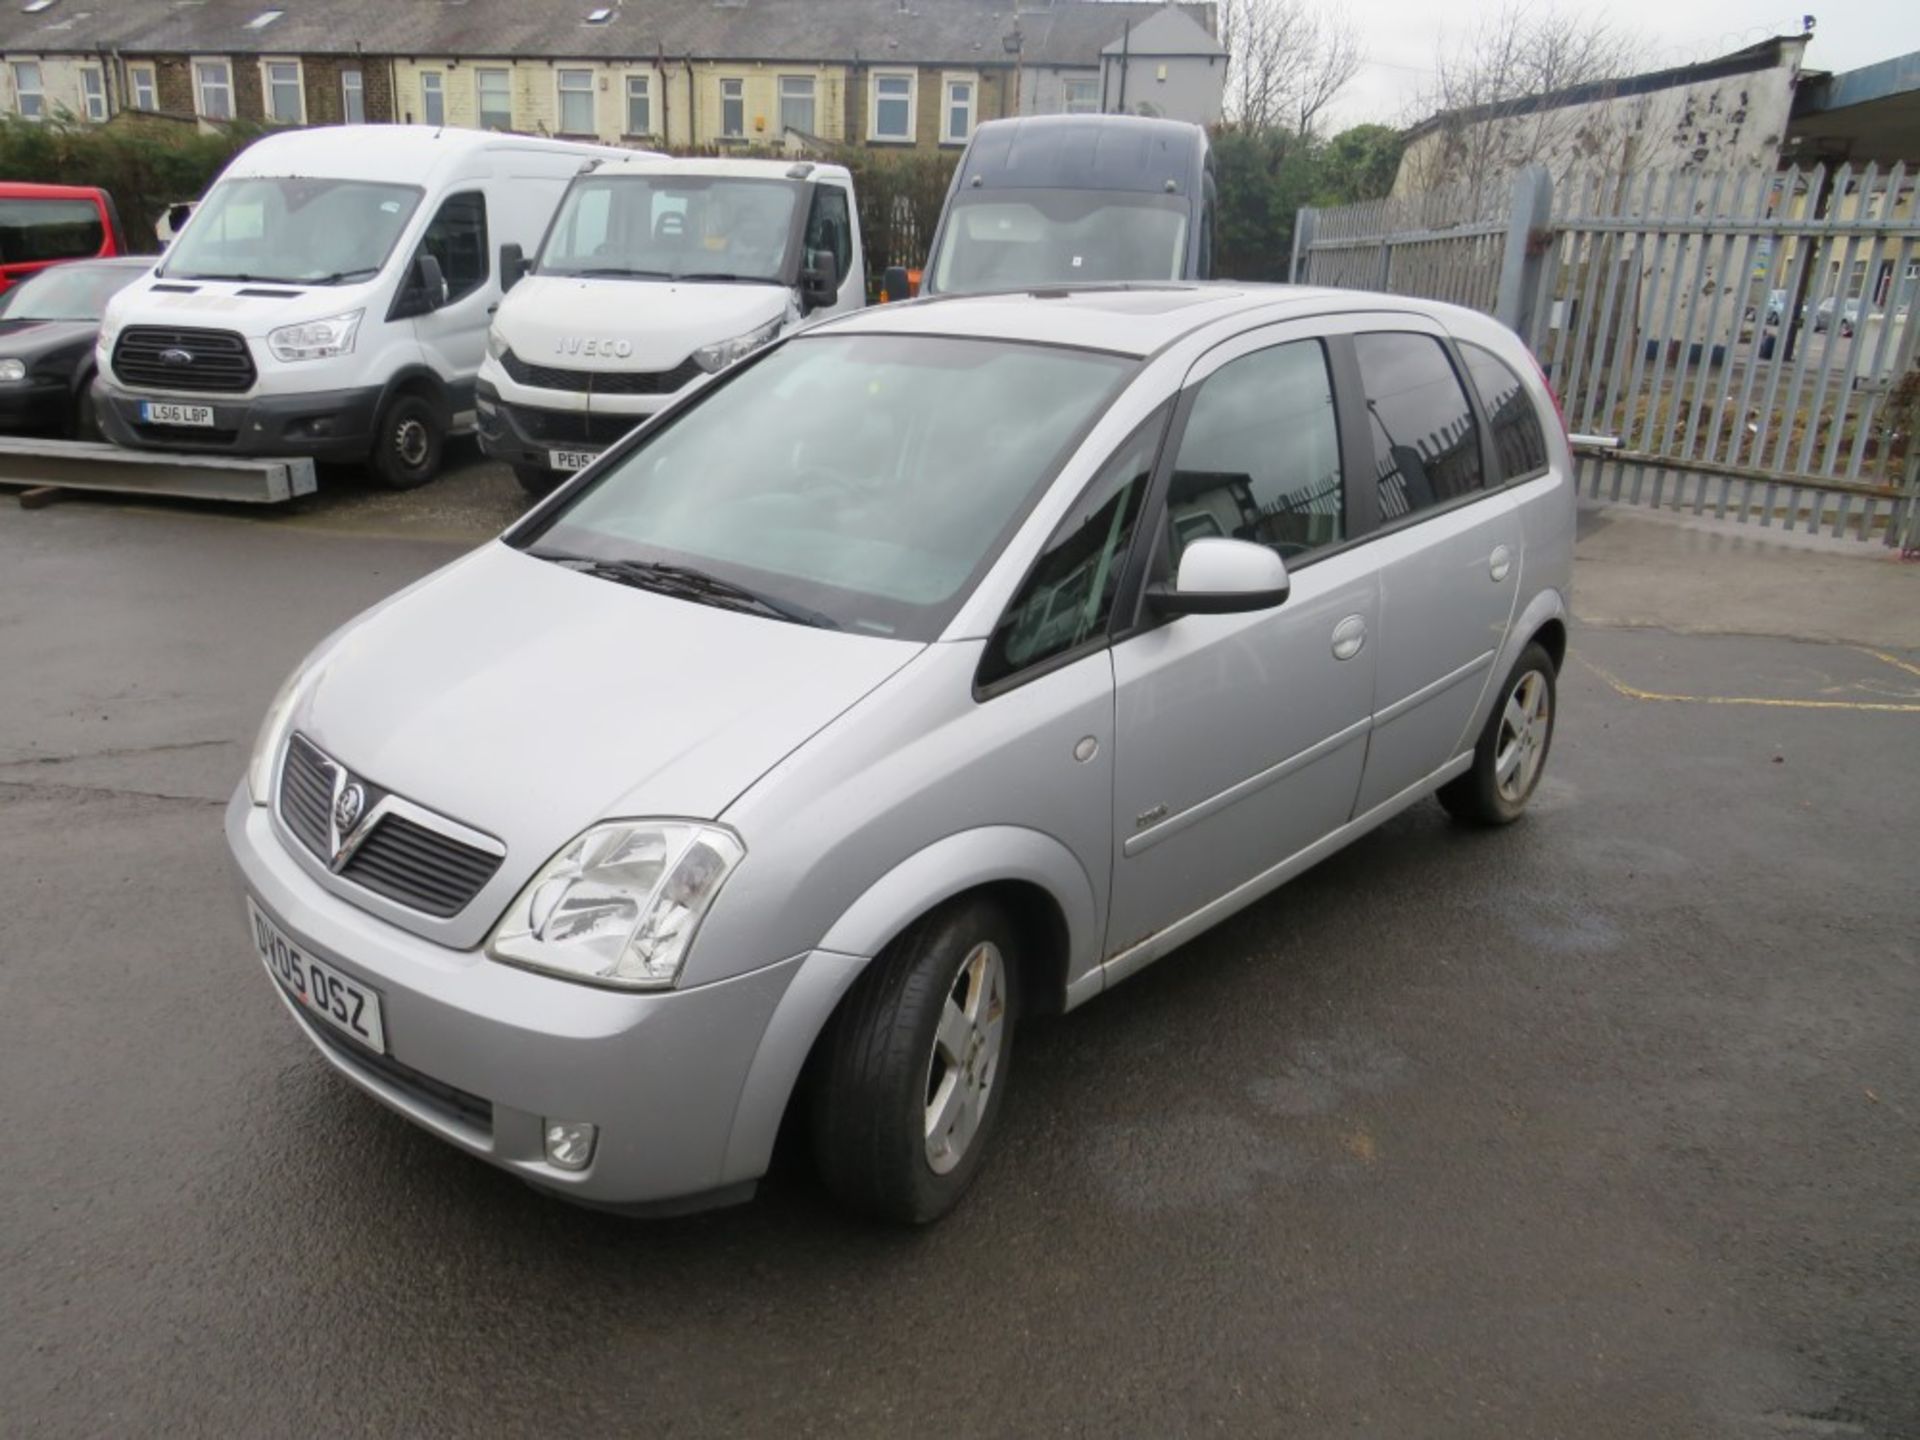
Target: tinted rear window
{"type": "Point", "coordinates": [1517, 435]}
{"type": "Point", "coordinates": [1425, 443]}
{"type": "Point", "coordinates": [49, 230]}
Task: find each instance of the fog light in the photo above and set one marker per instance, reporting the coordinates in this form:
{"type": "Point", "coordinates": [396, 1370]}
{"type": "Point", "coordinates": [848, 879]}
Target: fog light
{"type": "Point", "coordinates": [570, 1144]}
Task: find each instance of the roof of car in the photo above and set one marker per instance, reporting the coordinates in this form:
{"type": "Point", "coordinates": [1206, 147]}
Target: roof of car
{"type": "Point", "coordinates": [1128, 319]}
{"type": "Point", "coordinates": [696, 165]}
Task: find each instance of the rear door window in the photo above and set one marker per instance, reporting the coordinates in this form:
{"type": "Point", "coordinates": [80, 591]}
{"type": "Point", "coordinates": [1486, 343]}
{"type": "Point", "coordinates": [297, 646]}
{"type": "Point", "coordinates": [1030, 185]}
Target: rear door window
{"type": "Point", "coordinates": [34, 230]}
{"type": "Point", "coordinates": [1426, 446]}
{"type": "Point", "coordinates": [1518, 439]}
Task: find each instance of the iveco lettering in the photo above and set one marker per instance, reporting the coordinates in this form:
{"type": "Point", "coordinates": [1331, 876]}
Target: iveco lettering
{"type": "Point", "coordinates": [931, 668]}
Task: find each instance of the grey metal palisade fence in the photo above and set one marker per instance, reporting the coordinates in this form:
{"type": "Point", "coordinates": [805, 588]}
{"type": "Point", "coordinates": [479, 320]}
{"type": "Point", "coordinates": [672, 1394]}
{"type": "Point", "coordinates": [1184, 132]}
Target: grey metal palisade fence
{"type": "Point", "coordinates": [1743, 343]}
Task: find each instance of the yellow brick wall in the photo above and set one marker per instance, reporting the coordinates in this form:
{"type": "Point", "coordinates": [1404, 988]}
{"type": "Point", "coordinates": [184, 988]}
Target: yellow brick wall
{"type": "Point", "coordinates": [59, 85]}
{"type": "Point", "coordinates": [761, 88]}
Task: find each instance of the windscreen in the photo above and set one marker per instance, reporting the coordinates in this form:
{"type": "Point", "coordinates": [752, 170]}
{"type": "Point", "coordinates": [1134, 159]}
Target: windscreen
{"type": "Point", "coordinates": [672, 227]}
{"type": "Point", "coordinates": [293, 231]}
{"type": "Point", "coordinates": [868, 478]}
{"type": "Point", "coordinates": [33, 230]}
{"type": "Point", "coordinates": [67, 292]}
{"type": "Point", "coordinates": [1018, 239]}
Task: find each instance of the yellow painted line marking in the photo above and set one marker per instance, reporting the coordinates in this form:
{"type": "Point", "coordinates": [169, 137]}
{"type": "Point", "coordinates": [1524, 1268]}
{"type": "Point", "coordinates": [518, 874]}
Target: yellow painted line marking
{"type": "Point", "coordinates": [1893, 660]}
{"type": "Point", "coordinates": [1635, 693]}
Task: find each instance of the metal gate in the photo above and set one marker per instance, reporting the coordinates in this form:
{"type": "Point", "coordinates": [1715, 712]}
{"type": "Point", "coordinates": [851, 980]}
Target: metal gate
{"type": "Point", "coordinates": [1745, 342]}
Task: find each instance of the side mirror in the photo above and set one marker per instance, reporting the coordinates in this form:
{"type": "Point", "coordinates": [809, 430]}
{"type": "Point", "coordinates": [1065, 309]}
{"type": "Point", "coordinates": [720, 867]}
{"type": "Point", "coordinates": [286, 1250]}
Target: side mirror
{"type": "Point", "coordinates": [894, 284]}
{"type": "Point", "coordinates": [1223, 577]}
{"type": "Point", "coordinates": [424, 292]}
{"type": "Point", "coordinates": [513, 266]}
{"type": "Point", "coordinates": [819, 281]}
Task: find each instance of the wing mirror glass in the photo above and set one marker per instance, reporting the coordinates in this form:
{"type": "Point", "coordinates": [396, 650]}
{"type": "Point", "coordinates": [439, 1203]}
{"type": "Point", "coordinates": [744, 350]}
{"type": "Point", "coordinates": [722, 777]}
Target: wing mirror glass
{"type": "Point", "coordinates": [513, 266]}
{"type": "Point", "coordinates": [1222, 577]}
{"type": "Point", "coordinates": [425, 290]}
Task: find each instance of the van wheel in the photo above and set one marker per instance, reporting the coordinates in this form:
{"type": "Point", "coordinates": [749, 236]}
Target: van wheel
{"type": "Point", "coordinates": [408, 443]}
{"type": "Point", "coordinates": [1512, 753]}
{"type": "Point", "coordinates": [536, 480]}
{"type": "Point", "coordinates": [914, 1066]}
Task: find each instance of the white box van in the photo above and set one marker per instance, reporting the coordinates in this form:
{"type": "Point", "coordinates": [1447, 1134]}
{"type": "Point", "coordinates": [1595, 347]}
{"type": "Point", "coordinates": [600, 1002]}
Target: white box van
{"type": "Point", "coordinates": [656, 273]}
{"type": "Point", "coordinates": [330, 296]}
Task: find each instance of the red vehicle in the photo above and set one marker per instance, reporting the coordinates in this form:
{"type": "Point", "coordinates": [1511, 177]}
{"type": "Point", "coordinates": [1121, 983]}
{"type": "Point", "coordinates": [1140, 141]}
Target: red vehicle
{"type": "Point", "coordinates": [41, 225]}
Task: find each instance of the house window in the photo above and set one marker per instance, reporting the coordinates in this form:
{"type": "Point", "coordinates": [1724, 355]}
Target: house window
{"type": "Point", "coordinates": [29, 98]}
{"type": "Point", "coordinates": [213, 85]}
{"type": "Point", "coordinates": [796, 103]}
{"type": "Point", "coordinates": [145, 88]}
{"type": "Point", "coordinates": [1083, 97]}
{"type": "Point", "coordinates": [576, 102]}
{"type": "Point", "coordinates": [956, 116]}
{"type": "Point", "coordinates": [892, 117]}
{"type": "Point", "coordinates": [93, 89]}
{"type": "Point", "coordinates": [733, 107]}
{"type": "Point", "coordinates": [492, 89]}
{"type": "Point", "coordinates": [639, 105]}
{"type": "Point", "coordinates": [283, 91]}
{"type": "Point", "coordinates": [433, 98]}
{"type": "Point", "coordinates": [353, 98]}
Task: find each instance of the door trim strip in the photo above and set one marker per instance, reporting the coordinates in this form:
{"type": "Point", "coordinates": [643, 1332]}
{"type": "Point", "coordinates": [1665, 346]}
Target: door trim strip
{"type": "Point", "coordinates": [1428, 691]}
{"type": "Point", "coordinates": [1164, 829]}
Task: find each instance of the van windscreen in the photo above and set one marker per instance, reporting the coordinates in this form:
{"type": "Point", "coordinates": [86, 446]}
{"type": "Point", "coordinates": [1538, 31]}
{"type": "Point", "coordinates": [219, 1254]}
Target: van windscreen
{"type": "Point", "coordinates": [293, 230]}
{"type": "Point", "coordinates": [32, 230]}
{"type": "Point", "coordinates": [1016, 239]}
{"type": "Point", "coordinates": [678, 227]}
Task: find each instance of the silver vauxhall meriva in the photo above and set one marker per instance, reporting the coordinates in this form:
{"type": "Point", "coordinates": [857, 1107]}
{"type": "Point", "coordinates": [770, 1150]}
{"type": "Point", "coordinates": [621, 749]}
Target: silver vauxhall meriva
{"type": "Point", "coordinates": [942, 665]}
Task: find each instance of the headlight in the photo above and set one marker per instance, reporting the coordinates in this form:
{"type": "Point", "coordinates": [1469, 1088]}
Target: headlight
{"type": "Point", "coordinates": [13, 369]}
{"type": "Point", "coordinates": [260, 767]}
{"type": "Point", "coordinates": [496, 343]}
{"type": "Point", "coordinates": [316, 339]}
{"type": "Point", "coordinates": [727, 352]}
{"type": "Point", "coordinates": [619, 906]}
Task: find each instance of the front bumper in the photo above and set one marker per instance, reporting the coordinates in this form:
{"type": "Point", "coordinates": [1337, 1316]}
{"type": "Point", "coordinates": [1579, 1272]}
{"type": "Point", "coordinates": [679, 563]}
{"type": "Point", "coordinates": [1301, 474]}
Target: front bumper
{"type": "Point", "coordinates": [527, 435]}
{"type": "Point", "coordinates": [33, 404]}
{"type": "Point", "coordinates": [686, 1086]}
{"type": "Point", "coordinates": [324, 424]}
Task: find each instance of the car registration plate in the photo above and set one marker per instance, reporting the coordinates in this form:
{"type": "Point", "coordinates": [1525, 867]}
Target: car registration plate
{"type": "Point", "coordinates": [317, 986]}
{"type": "Point", "coordinates": [162, 412]}
{"type": "Point", "coordinates": [571, 460]}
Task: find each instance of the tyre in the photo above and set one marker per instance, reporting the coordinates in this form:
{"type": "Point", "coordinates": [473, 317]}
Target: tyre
{"type": "Point", "coordinates": [1512, 752]}
{"type": "Point", "coordinates": [85, 424]}
{"type": "Point", "coordinates": [408, 442]}
{"type": "Point", "coordinates": [913, 1067]}
{"type": "Point", "coordinates": [536, 480]}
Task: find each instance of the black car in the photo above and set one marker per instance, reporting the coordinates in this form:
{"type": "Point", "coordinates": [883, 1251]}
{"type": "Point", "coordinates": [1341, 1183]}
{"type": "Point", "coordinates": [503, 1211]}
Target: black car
{"type": "Point", "coordinates": [47, 328]}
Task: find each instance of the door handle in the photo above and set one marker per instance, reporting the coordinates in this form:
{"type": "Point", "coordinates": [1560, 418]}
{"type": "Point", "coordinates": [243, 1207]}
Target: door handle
{"type": "Point", "coordinates": [1500, 563]}
{"type": "Point", "coordinates": [1348, 636]}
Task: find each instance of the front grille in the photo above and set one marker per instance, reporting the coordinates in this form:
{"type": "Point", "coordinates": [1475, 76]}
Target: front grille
{"type": "Point", "coordinates": [400, 859]}
{"type": "Point", "coordinates": [601, 382]}
{"type": "Point", "coordinates": [306, 794]}
{"type": "Point", "coordinates": [572, 427]}
{"type": "Point", "coordinates": [419, 868]}
{"type": "Point", "coordinates": [451, 1101]}
{"type": "Point", "coordinates": [218, 361]}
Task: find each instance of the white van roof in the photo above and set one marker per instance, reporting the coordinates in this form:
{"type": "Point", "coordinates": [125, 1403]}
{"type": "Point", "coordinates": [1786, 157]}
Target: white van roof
{"type": "Point", "coordinates": [641, 163]}
{"type": "Point", "coordinates": [396, 154]}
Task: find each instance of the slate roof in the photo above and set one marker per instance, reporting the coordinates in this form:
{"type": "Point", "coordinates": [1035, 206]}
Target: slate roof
{"type": "Point", "coordinates": [1064, 32]}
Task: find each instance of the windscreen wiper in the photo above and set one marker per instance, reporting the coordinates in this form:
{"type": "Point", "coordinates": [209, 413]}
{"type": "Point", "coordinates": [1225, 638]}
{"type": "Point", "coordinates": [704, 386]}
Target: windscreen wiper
{"type": "Point", "coordinates": [727, 275]}
{"type": "Point", "coordinates": [602, 272]}
{"type": "Point", "coordinates": [338, 277]}
{"type": "Point", "coordinates": [685, 583]}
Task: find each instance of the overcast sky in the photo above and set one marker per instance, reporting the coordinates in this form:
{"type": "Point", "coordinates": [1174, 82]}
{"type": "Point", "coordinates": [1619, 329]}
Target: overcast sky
{"type": "Point", "coordinates": [1401, 37]}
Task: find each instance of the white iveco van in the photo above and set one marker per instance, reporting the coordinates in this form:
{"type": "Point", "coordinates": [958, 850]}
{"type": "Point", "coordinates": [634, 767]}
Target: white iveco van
{"type": "Point", "coordinates": [330, 296]}
{"type": "Point", "coordinates": [654, 274]}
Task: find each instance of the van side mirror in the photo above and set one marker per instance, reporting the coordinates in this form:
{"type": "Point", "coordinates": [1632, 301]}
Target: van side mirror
{"type": "Point", "coordinates": [1222, 577]}
{"type": "Point", "coordinates": [513, 266]}
{"type": "Point", "coordinates": [819, 281]}
{"type": "Point", "coordinates": [425, 290]}
{"type": "Point", "coordinates": [894, 284]}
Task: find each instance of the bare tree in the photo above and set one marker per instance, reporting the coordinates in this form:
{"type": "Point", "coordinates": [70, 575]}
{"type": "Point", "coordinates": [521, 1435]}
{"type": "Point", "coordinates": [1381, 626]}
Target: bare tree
{"type": "Point", "coordinates": [1287, 61]}
{"type": "Point", "coordinates": [1483, 129]}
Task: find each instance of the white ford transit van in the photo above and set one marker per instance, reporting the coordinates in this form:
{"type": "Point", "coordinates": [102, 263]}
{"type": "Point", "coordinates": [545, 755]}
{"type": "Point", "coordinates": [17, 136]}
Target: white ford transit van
{"type": "Point", "coordinates": [656, 273]}
{"type": "Point", "coordinates": [330, 296]}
